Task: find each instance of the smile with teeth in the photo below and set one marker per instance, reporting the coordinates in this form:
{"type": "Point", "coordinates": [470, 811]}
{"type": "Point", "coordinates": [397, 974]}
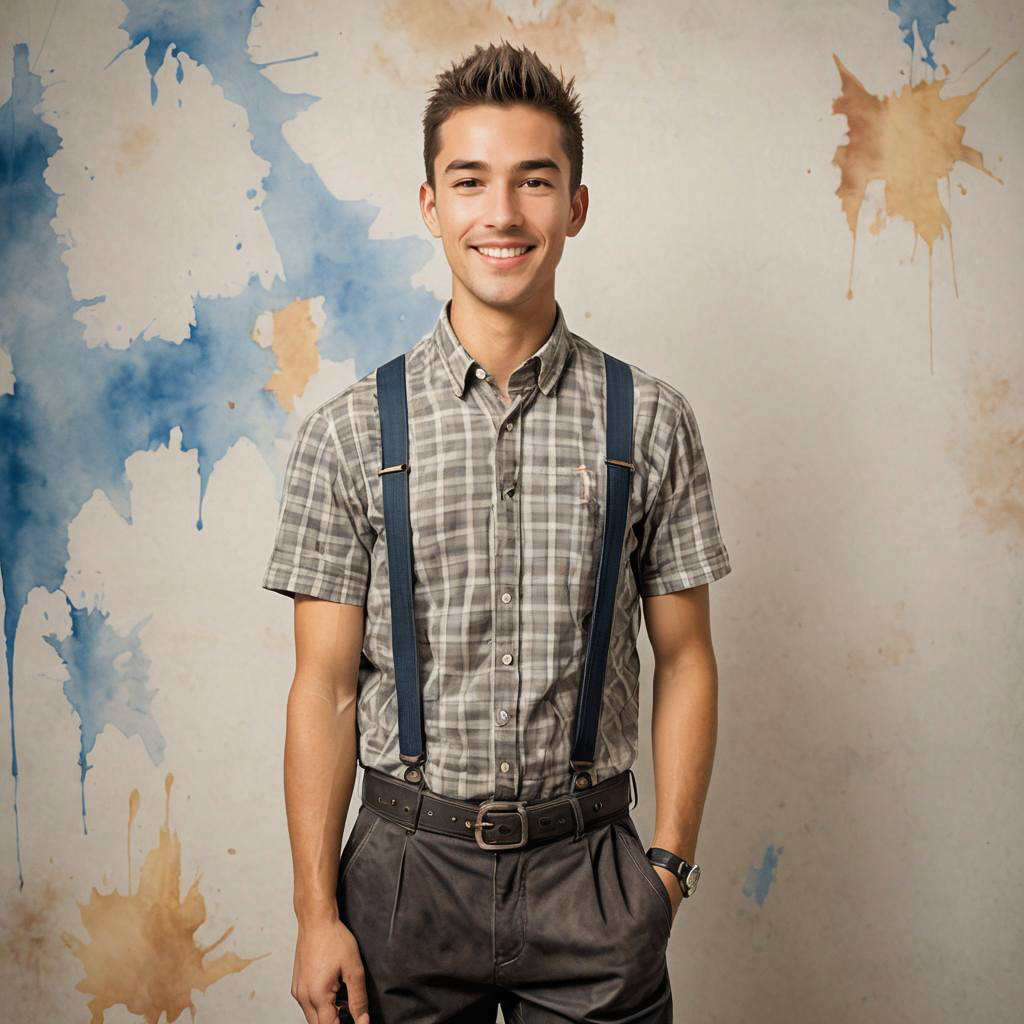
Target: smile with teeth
{"type": "Point", "coordinates": [503, 254]}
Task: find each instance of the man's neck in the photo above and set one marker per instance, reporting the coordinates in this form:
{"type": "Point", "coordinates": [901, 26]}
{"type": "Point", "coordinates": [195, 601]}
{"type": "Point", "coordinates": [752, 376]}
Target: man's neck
{"type": "Point", "coordinates": [501, 340]}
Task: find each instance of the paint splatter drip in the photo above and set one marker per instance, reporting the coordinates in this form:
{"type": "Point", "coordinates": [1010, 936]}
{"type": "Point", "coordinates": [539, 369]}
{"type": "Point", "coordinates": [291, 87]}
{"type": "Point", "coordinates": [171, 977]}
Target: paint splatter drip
{"type": "Point", "coordinates": [759, 880]}
{"type": "Point", "coordinates": [106, 685]}
{"type": "Point", "coordinates": [924, 15]}
{"type": "Point", "coordinates": [909, 139]}
{"type": "Point", "coordinates": [143, 954]}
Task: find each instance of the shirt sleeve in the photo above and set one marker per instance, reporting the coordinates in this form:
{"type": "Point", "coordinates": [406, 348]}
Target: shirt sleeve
{"type": "Point", "coordinates": [682, 543]}
{"type": "Point", "coordinates": [324, 538]}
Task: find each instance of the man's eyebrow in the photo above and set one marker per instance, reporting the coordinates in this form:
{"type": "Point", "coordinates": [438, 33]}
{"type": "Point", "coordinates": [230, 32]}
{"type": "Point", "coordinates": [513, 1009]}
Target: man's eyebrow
{"type": "Point", "coordinates": [540, 164]}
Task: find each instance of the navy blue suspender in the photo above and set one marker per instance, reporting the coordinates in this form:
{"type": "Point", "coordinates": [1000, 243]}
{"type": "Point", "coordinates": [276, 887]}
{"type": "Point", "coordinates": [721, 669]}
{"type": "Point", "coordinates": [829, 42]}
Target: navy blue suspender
{"type": "Point", "coordinates": [392, 404]}
{"type": "Point", "coordinates": [619, 449]}
{"type": "Point", "coordinates": [394, 479]}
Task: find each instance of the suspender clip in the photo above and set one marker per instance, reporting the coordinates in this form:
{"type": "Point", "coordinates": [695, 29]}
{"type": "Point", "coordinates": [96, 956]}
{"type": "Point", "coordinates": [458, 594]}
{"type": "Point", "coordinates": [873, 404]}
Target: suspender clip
{"type": "Point", "coordinates": [580, 776]}
{"type": "Point", "coordinates": [414, 771]}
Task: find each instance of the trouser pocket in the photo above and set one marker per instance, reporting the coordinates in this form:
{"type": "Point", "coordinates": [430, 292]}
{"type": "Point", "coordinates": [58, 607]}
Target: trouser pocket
{"type": "Point", "coordinates": [358, 837]}
{"type": "Point", "coordinates": [638, 856]}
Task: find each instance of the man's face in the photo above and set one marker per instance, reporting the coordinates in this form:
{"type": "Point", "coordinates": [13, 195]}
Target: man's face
{"type": "Point", "coordinates": [494, 202]}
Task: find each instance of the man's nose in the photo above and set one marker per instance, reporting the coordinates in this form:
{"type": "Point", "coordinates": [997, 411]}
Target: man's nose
{"type": "Point", "coordinates": [503, 207]}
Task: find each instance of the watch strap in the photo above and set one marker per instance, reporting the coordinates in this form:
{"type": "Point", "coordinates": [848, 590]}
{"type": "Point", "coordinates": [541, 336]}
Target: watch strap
{"type": "Point", "coordinates": [679, 866]}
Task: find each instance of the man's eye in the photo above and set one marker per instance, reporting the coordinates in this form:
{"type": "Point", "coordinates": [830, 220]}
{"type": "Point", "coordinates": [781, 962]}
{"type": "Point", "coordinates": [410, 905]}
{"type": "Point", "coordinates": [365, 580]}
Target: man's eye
{"type": "Point", "coordinates": [473, 182]}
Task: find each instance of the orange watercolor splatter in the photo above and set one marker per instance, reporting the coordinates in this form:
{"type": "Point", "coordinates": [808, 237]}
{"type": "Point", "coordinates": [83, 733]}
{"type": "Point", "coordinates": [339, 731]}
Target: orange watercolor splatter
{"type": "Point", "coordinates": [909, 139]}
{"type": "Point", "coordinates": [557, 33]}
{"type": "Point", "coordinates": [142, 952]}
{"type": "Point", "coordinates": [29, 952]}
{"type": "Point", "coordinates": [990, 450]}
{"type": "Point", "coordinates": [294, 344]}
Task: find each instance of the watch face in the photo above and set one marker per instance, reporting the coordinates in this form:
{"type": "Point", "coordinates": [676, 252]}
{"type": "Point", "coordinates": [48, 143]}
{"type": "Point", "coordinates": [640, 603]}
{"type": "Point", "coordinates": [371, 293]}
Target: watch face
{"type": "Point", "coordinates": [693, 877]}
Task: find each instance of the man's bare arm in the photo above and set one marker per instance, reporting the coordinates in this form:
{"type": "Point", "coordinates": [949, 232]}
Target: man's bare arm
{"type": "Point", "coordinates": [684, 724]}
{"type": "Point", "coordinates": [319, 775]}
{"type": "Point", "coordinates": [320, 753]}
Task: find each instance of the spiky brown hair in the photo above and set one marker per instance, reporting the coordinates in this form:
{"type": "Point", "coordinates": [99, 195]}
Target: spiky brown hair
{"type": "Point", "coordinates": [504, 75]}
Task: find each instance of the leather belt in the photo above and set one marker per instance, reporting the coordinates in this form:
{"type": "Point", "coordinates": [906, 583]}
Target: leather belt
{"type": "Point", "coordinates": [508, 824]}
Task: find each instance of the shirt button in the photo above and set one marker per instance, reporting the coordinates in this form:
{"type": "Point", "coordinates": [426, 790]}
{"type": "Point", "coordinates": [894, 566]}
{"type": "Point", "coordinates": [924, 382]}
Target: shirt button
{"type": "Point", "coordinates": [505, 766]}
{"type": "Point", "coordinates": [501, 716]}
{"type": "Point", "coordinates": [506, 659]}
{"type": "Point", "coordinates": [505, 598]}
{"type": "Point", "coordinates": [481, 372]}
{"type": "Point", "coordinates": [509, 425]}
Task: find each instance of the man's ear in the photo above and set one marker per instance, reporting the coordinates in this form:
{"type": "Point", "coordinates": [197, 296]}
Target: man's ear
{"type": "Point", "coordinates": [428, 209]}
{"type": "Point", "coordinates": [580, 205]}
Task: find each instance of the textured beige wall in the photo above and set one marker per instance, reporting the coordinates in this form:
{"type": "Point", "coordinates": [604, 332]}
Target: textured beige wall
{"type": "Point", "coordinates": [860, 840]}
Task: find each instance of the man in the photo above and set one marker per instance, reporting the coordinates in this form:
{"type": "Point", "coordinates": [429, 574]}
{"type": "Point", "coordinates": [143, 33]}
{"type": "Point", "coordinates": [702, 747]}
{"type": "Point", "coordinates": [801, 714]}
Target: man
{"type": "Point", "coordinates": [426, 917]}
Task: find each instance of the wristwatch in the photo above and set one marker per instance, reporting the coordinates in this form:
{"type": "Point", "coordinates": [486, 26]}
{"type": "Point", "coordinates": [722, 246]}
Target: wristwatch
{"type": "Point", "coordinates": [688, 874]}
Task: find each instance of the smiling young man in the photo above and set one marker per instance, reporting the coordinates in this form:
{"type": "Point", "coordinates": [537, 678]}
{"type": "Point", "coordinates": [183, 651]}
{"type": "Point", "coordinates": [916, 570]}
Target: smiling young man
{"type": "Point", "coordinates": [469, 531]}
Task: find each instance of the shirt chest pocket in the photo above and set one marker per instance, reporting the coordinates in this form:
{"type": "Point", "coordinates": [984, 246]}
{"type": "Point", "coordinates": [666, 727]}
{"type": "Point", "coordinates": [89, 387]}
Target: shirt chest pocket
{"type": "Point", "coordinates": [579, 511]}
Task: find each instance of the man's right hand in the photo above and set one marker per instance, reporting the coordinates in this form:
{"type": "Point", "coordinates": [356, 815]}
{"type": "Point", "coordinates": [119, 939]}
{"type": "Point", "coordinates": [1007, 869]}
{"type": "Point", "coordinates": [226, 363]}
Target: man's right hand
{"type": "Point", "coordinates": [327, 956]}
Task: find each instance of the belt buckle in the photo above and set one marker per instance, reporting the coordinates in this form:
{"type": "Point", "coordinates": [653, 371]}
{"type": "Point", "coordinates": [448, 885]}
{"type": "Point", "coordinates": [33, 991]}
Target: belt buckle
{"type": "Point", "coordinates": [499, 805]}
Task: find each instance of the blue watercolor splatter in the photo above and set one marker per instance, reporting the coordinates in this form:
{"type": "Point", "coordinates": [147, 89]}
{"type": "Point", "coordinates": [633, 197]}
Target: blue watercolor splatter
{"type": "Point", "coordinates": [106, 685]}
{"type": "Point", "coordinates": [78, 413]}
{"type": "Point", "coordinates": [759, 880]}
{"type": "Point", "coordinates": [927, 15]}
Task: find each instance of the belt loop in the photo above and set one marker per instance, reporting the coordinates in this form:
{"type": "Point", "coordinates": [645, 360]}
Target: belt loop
{"type": "Point", "coordinates": [574, 800]}
{"type": "Point", "coordinates": [635, 789]}
{"type": "Point", "coordinates": [419, 800]}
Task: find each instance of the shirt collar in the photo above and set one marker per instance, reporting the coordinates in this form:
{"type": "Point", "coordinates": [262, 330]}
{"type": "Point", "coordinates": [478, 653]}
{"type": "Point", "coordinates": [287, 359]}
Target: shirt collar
{"type": "Point", "coordinates": [551, 357]}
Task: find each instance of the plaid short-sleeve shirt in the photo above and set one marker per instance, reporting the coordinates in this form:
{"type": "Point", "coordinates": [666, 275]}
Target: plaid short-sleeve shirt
{"type": "Point", "coordinates": [507, 504]}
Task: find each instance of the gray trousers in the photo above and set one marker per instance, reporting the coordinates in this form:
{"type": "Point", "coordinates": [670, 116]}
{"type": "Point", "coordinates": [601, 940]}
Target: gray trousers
{"type": "Point", "coordinates": [564, 931]}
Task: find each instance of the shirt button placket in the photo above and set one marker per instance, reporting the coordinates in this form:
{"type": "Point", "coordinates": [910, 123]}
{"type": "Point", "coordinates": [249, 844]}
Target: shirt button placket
{"type": "Point", "coordinates": [506, 627]}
